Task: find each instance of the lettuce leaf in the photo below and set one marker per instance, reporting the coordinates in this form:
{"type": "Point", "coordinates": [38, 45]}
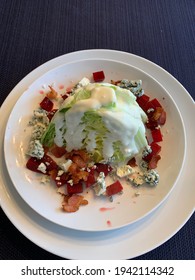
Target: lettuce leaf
{"type": "Point", "coordinates": [47, 139]}
{"type": "Point", "coordinates": [93, 122]}
{"type": "Point", "coordinates": [110, 132]}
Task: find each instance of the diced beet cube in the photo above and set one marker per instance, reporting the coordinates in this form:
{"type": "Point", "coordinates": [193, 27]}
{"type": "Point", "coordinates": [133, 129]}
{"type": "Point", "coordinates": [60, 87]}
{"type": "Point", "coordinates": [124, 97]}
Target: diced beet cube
{"type": "Point", "coordinates": [66, 95]}
{"type": "Point", "coordinates": [90, 179]}
{"type": "Point", "coordinates": [98, 76]}
{"type": "Point", "coordinates": [153, 162]}
{"type": "Point", "coordinates": [153, 104]}
{"type": "Point", "coordinates": [132, 162]}
{"type": "Point", "coordinates": [46, 104]}
{"type": "Point", "coordinates": [50, 163]}
{"type": "Point", "coordinates": [33, 164]}
{"type": "Point", "coordinates": [143, 100]}
{"type": "Point", "coordinates": [156, 135]}
{"type": "Point", "coordinates": [155, 148]}
{"type": "Point", "coordinates": [76, 188]}
{"type": "Point", "coordinates": [106, 168]}
{"type": "Point", "coordinates": [59, 180]}
{"type": "Point", "coordinates": [51, 114]}
{"type": "Point", "coordinates": [150, 124]}
{"type": "Point", "coordinates": [114, 188]}
{"type": "Point", "coordinates": [156, 116]}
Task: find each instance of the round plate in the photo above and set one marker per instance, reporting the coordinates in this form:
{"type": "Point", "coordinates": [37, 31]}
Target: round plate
{"type": "Point", "coordinates": [127, 242]}
{"type": "Point", "coordinates": [126, 208]}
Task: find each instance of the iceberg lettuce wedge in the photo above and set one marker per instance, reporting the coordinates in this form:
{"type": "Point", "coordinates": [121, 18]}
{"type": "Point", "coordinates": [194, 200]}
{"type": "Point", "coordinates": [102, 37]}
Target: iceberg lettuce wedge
{"type": "Point", "coordinates": [101, 118]}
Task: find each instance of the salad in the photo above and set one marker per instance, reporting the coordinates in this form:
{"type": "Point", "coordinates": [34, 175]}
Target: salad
{"type": "Point", "coordinates": [96, 129]}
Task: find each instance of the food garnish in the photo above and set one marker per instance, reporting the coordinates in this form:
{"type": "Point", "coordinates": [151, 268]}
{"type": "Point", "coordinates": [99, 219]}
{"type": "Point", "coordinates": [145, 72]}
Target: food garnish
{"type": "Point", "coordinates": [97, 129]}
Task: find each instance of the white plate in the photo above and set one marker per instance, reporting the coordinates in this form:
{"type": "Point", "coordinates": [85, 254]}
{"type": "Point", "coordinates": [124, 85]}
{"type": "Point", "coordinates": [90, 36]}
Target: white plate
{"type": "Point", "coordinates": [130, 241]}
{"type": "Point", "coordinates": [126, 208]}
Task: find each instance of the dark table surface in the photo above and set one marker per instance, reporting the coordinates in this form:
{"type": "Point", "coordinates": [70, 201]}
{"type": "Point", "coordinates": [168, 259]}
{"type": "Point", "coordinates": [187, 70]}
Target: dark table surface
{"type": "Point", "coordinates": [33, 32]}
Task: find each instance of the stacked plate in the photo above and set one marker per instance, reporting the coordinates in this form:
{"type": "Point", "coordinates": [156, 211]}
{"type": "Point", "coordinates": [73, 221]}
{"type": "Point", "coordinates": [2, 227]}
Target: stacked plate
{"type": "Point", "coordinates": [130, 225]}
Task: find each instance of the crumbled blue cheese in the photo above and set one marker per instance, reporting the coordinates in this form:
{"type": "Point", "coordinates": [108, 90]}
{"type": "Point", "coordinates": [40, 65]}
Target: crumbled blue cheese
{"type": "Point", "coordinates": [146, 151]}
{"type": "Point", "coordinates": [136, 179]}
{"type": "Point", "coordinates": [137, 194]}
{"type": "Point", "coordinates": [45, 179]}
{"type": "Point", "coordinates": [35, 149]}
{"type": "Point", "coordinates": [39, 115]}
{"type": "Point", "coordinates": [42, 167]}
{"type": "Point", "coordinates": [124, 170]}
{"type": "Point", "coordinates": [71, 182]}
{"type": "Point", "coordinates": [135, 86]}
{"type": "Point", "coordinates": [151, 177]}
{"type": "Point", "coordinates": [39, 122]}
{"type": "Point", "coordinates": [38, 130]}
{"type": "Point", "coordinates": [84, 82]}
{"type": "Point", "coordinates": [143, 165]}
{"type": "Point", "coordinates": [60, 172]}
{"type": "Point", "coordinates": [65, 165]}
{"type": "Point", "coordinates": [100, 186]}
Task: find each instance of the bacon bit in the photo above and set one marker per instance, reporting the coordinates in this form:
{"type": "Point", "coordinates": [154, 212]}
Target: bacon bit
{"type": "Point", "coordinates": [70, 208]}
{"type": "Point", "coordinates": [156, 117]}
{"type": "Point", "coordinates": [73, 168]}
{"type": "Point", "coordinates": [157, 113]}
{"type": "Point", "coordinates": [77, 173]}
{"type": "Point", "coordinates": [57, 151]}
{"type": "Point", "coordinates": [79, 161]}
{"type": "Point", "coordinates": [52, 94]}
{"type": "Point", "coordinates": [82, 153]}
{"type": "Point", "coordinates": [115, 82]}
{"type": "Point", "coordinates": [162, 118]}
{"type": "Point", "coordinates": [71, 203]}
{"type": "Point", "coordinates": [81, 175]}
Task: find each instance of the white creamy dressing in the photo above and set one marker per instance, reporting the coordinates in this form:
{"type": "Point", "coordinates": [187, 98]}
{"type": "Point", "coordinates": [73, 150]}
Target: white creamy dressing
{"type": "Point", "coordinates": [122, 121]}
{"type": "Point", "coordinates": [59, 125]}
{"type": "Point", "coordinates": [104, 95]}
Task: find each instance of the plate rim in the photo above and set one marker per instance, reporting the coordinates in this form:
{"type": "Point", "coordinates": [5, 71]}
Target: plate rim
{"type": "Point", "coordinates": [189, 212]}
{"type": "Point", "coordinates": [106, 228]}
